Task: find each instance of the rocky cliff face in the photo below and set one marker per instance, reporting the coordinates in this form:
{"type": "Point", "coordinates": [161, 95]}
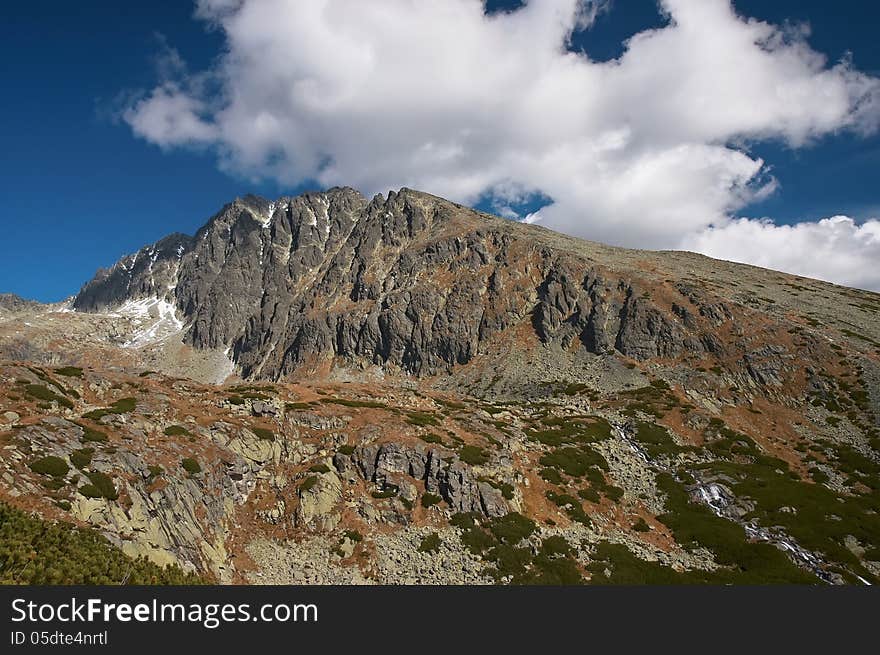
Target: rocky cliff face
{"type": "Point", "coordinates": [411, 283]}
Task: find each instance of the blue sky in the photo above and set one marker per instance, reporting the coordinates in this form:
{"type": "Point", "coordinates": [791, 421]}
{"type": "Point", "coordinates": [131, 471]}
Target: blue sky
{"type": "Point", "coordinates": [80, 189]}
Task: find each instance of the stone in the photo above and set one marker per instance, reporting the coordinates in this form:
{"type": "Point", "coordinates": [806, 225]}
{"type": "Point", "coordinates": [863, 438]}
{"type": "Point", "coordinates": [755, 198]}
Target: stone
{"type": "Point", "coordinates": [441, 471]}
{"type": "Point", "coordinates": [263, 408]}
{"type": "Point", "coordinates": [317, 504]}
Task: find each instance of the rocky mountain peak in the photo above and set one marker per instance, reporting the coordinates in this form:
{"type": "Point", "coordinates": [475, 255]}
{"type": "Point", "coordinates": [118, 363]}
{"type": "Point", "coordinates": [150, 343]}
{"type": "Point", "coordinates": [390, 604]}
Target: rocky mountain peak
{"type": "Point", "coordinates": [444, 379]}
{"type": "Point", "coordinates": [415, 284]}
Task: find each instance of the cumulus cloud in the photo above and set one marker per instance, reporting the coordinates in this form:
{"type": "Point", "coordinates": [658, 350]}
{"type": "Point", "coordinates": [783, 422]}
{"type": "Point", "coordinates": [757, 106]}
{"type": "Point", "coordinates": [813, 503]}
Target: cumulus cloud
{"type": "Point", "coordinates": [831, 249]}
{"type": "Point", "coordinates": [649, 150]}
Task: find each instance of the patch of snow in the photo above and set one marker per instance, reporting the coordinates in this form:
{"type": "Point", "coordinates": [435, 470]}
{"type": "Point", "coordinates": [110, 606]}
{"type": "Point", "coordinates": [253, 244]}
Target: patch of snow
{"type": "Point", "coordinates": [268, 219]}
{"type": "Point", "coordinates": [66, 306]}
{"type": "Point", "coordinates": [154, 319]}
{"type": "Point", "coordinates": [227, 369]}
{"type": "Point", "coordinates": [322, 217]}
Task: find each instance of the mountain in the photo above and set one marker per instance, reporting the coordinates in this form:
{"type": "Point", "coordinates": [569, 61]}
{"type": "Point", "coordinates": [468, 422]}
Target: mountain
{"type": "Point", "coordinates": [9, 303]}
{"type": "Point", "coordinates": [330, 388]}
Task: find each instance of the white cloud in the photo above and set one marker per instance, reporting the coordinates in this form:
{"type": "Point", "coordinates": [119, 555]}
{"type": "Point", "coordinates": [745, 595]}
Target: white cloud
{"type": "Point", "coordinates": [831, 249]}
{"type": "Point", "coordinates": [647, 150]}
{"type": "Point", "coordinates": [168, 117]}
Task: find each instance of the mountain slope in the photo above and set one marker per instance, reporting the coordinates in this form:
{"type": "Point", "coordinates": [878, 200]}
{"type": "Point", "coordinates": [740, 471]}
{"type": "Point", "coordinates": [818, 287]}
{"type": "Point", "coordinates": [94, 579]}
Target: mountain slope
{"type": "Point", "coordinates": [419, 375]}
{"type": "Point", "coordinates": [417, 284]}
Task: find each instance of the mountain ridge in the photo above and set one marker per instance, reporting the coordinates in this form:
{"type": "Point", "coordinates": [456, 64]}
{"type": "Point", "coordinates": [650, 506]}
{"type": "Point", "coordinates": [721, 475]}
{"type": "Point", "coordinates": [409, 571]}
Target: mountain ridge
{"type": "Point", "coordinates": [335, 389]}
{"type": "Point", "coordinates": [335, 276]}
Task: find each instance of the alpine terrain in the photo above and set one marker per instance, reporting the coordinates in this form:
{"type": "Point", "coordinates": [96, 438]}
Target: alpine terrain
{"type": "Point", "coordinates": [333, 389]}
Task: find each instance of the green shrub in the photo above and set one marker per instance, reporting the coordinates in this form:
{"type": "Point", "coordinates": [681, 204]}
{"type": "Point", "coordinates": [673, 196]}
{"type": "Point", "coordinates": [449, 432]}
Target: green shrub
{"type": "Point", "coordinates": [50, 465]}
{"type": "Point", "coordinates": [641, 525]}
{"type": "Point", "coordinates": [38, 552]}
{"type": "Point", "coordinates": [354, 536]}
{"type": "Point", "coordinates": [319, 468]}
{"type": "Point", "coordinates": [92, 435]}
{"type": "Point", "coordinates": [264, 434]}
{"type": "Point", "coordinates": [190, 465]}
{"type": "Point", "coordinates": [41, 392]}
{"type": "Point", "coordinates": [354, 403]}
{"type": "Point", "coordinates": [308, 483]}
{"type": "Point", "coordinates": [121, 406]}
{"type": "Point", "coordinates": [103, 484]}
{"type": "Point", "coordinates": [589, 494]}
{"type": "Point", "coordinates": [755, 563]}
{"type": "Point", "coordinates": [555, 546]}
{"type": "Point", "coordinates": [463, 520]}
{"type": "Point", "coordinates": [511, 528]}
{"type": "Point", "coordinates": [346, 450]}
{"type": "Point", "coordinates": [624, 568]}
{"type": "Point", "coordinates": [657, 441]}
{"type": "Point", "coordinates": [124, 405]}
{"type": "Point", "coordinates": [450, 404]}
{"type": "Point", "coordinates": [574, 461]}
{"type": "Point", "coordinates": [552, 565]}
{"type": "Point", "coordinates": [176, 431]}
{"type": "Point", "coordinates": [290, 407]}
{"type": "Point", "coordinates": [90, 491]}
{"type": "Point", "coordinates": [612, 493]}
{"type": "Point", "coordinates": [82, 458]}
{"type": "Point", "coordinates": [430, 544]}
{"type": "Point", "coordinates": [476, 540]}
{"type": "Point", "coordinates": [819, 476]}
{"type": "Point", "coordinates": [422, 419]}
{"type": "Point", "coordinates": [571, 505]}
{"type": "Point", "coordinates": [242, 388]}
{"type": "Point", "coordinates": [509, 561]}
{"type": "Point", "coordinates": [70, 371]}
{"type": "Point", "coordinates": [255, 396]}
{"type": "Point", "coordinates": [429, 499]}
{"type": "Point", "coordinates": [551, 475]}
{"type": "Point", "coordinates": [473, 455]}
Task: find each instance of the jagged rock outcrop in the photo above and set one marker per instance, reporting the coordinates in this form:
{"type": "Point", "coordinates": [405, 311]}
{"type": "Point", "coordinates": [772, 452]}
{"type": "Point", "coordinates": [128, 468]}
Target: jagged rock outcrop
{"type": "Point", "coordinates": [165, 521]}
{"type": "Point", "coordinates": [441, 471]}
{"type": "Point", "coordinates": [409, 282]}
{"type": "Point", "coordinates": [11, 303]}
{"type": "Point", "coordinates": [318, 500]}
{"type": "Point", "coordinates": [151, 272]}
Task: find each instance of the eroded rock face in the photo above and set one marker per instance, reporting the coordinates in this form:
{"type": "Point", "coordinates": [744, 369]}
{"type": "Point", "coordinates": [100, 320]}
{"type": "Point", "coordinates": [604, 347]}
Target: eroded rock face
{"type": "Point", "coordinates": [150, 272]}
{"type": "Point", "coordinates": [608, 317]}
{"type": "Point", "coordinates": [318, 502]}
{"type": "Point", "coordinates": [441, 471]}
{"type": "Point", "coordinates": [176, 521]}
{"type": "Point", "coordinates": [409, 282]}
